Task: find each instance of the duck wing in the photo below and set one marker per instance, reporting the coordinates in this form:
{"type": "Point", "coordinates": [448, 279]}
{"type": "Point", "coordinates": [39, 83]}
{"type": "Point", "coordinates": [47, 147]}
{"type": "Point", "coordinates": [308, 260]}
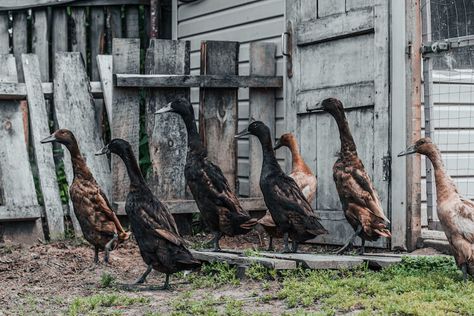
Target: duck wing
{"type": "Point", "coordinates": [463, 218]}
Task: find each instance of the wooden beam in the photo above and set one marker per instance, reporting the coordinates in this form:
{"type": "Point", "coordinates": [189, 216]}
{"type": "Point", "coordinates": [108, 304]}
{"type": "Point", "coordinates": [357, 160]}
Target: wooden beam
{"type": "Point", "coordinates": [19, 213]}
{"type": "Point", "coordinates": [10, 5]}
{"type": "Point", "coordinates": [17, 91]}
{"type": "Point", "coordinates": [202, 81]}
{"type": "Point", "coordinates": [189, 206]}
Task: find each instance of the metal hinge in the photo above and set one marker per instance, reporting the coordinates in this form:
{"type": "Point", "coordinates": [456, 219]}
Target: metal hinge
{"type": "Point", "coordinates": [287, 48]}
{"type": "Point", "coordinates": [387, 168]}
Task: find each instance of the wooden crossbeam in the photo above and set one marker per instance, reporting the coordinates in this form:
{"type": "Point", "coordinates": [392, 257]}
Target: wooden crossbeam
{"type": "Point", "coordinates": [189, 206]}
{"type": "Point", "coordinates": [8, 5]}
{"type": "Point", "coordinates": [17, 91]}
{"type": "Point", "coordinates": [19, 213]}
{"type": "Point", "coordinates": [203, 81]}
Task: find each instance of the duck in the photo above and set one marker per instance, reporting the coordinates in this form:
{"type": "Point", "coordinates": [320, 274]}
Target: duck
{"type": "Point", "coordinates": [220, 208]}
{"type": "Point", "coordinates": [303, 176]}
{"type": "Point", "coordinates": [99, 223]}
{"type": "Point", "coordinates": [359, 199]}
{"type": "Point", "coordinates": [287, 204]}
{"type": "Point", "coordinates": [161, 246]}
{"type": "Point", "coordinates": [455, 212]}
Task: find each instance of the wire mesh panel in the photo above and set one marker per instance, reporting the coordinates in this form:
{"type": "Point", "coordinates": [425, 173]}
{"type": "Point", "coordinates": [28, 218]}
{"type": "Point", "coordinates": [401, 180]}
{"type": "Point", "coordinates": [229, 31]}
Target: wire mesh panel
{"type": "Point", "coordinates": [448, 74]}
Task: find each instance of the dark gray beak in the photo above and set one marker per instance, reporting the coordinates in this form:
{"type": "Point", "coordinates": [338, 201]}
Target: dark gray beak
{"type": "Point", "coordinates": [165, 109]}
{"type": "Point", "coordinates": [49, 139]}
{"type": "Point", "coordinates": [277, 144]}
{"type": "Point", "coordinates": [242, 133]}
{"type": "Point", "coordinates": [410, 150]}
{"type": "Point", "coordinates": [103, 151]}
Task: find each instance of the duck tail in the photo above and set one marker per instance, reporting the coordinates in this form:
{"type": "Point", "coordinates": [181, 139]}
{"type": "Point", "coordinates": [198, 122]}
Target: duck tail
{"type": "Point", "coordinates": [249, 224]}
{"type": "Point", "coordinates": [384, 232]}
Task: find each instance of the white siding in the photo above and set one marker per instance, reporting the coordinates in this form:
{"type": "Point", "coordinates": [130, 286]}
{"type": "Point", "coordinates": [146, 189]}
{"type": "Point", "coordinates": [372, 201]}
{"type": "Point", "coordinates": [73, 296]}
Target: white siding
{"type": "Point", "coordinates": [453, 97]}
{"type": "Point", "coordinates": [245, 21]}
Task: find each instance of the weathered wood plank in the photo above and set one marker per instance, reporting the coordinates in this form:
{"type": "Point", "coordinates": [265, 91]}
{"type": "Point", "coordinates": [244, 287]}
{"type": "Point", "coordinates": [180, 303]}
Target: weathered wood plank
{"type": "Point", "coordinates": [78, 32]}
{"type": "Point", "coordinates": [126, 111]}
{"type": "Point", "coordinates": [105, 64]}
{"type": "Point", "coordinates": [17, 91]}
{"type": "Point", "coordinates": [203, 81]}
{"type": "Point", "coordinates": [8, 5]}
{"type": "Point", "coordinates": [131, 22]}
{"type": "Point", "coordinates": [43, 153]}
{"type": "Point", "coordinates": [335, 27]}
{"type": "Point", "coordinates": [235, 259]}
{"type": "Point", "coordinates": [113, 25]}
{"type": "Point", "coordinates": [20, 38]}
{"type": "Point", "coordinates": [167, 132]}
{"type": "Point", "coordinates": [312, 261]}
{"type": "Point", "coordinates": [40, 41]}
{"type": "Point", "coordinates": [19, 213]}
{"type": "Point", "coordinates": [262, 107]}
{"type": "Point", "coordinates": [218, 107]}
{"type": "Point", "coordinates": [4, 34]}
{"type": "Point", "coordinates": [189, 206]}
{"type": "Point", "coordinates": [59, 33]}
{"type": "Point", "coordinates": [96, 39]}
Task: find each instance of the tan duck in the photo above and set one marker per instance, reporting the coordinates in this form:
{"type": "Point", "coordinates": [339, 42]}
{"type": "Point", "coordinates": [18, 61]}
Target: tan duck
{"type": "Point", "coordinates": [455, 213]}
{"type": "Point", "coordinates": [98, 222]}
{"type": "Point", "coordinates": [360, 201]}
{"type": "Point", "coordinates": [303, 177]}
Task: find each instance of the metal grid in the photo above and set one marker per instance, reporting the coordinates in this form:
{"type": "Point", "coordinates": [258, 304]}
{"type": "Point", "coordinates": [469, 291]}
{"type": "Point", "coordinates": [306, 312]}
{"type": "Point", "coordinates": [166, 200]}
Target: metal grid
{"type": "Point", "coordinates": [448, 82]}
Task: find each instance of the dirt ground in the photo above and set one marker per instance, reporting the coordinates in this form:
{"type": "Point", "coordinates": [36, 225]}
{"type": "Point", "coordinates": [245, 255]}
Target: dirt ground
{"type": "Point", "coordinates": [45, 279]}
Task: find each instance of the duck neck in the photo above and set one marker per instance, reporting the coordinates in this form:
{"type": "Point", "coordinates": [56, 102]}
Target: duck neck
{"type": "Point", "coordinates": [79, 165]}
{"type": "Point", "coordinates": [269, 158]}
{"type": "Point", "coordinates": [445, 187]}
{"type": "Point", "coordinates": [194, 141]}
{"type": "Point", "coordinates": [298, 163]}
{"type": "Point", "coordinates": [133, 170]}
{"type": "Point", "coordinates": [347, 141]}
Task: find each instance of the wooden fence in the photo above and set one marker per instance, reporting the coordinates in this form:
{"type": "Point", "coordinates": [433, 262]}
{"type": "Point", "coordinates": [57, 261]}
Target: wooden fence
{"type": "Point", "coordinates": [121, 87]}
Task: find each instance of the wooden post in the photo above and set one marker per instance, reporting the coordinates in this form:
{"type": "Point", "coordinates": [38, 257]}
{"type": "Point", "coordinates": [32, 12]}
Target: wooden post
{"type": "Point", "coordinates": [218, 107]}
{"type": "Point", "coordinates": [20, 37]}
{"type": "Point", "coordinates": [43, 153]}
{"type": "Point", "coordinates": [4, 34]}
{"type": "Point", "coordinates": [262, 107]}
{"type": "Point", "coordinates": [78, 32]}
{"type": "Point", "coordinates": [166, 132]}
{"type": "Point", "coordinates": [40, 41]}
{"type": "Point", "coordinates": [126, 110]}
{"type": "Point", "coordinates": [59, 33]}
{"type": "Point", "coordinates": [17, 178]}
{"type": "Point", "coordinates": [113, 25]}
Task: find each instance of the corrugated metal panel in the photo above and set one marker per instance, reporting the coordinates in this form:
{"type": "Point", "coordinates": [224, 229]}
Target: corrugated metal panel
{"type": "Point", "coordinates": [453, 95]}
{"type": "Point", "coordinates": [245, 21]}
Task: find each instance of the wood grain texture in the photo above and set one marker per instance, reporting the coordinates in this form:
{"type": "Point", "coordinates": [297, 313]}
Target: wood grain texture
{"type": "Point", "coordinates": [167, 132]}
{"type": "Point", "coordinates": [113, 25]}
{"type": "Point", "coordinates": [17, 91]}
{"type": "Point", "coordinates": [262, 107]}
{"type": "Point", "coordinates": [96, 39]}
{"type": "Point", "coordinates": [131, 22]}
{"type": "Point", "coordinates": [40, 41]}
{"type": "Point", "coordinates": [19, 213]}
{"type": "Point", "coordinates": [4, 34]}
{"type": "Point", "coordinates": [59, 33]}
{"type": "Point", "coordinates": [125, 110]}
{"type": "Point", "coordinates": [43, 152]}
{"type": "Point", "coordinates": [20, 39]}
{"type": "Point", "coordinates": [104, 65]}
{"type": "Point", "coordinates": [218, 107]}
{"type": "Point", "coordinates": [78, 32]}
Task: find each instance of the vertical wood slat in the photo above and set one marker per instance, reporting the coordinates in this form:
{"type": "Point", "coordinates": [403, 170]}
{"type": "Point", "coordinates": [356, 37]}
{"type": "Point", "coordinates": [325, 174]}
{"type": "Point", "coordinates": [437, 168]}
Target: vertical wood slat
{"type": "Point", "coordinates": [126, 110]}
{"type": "Point", "coordinates": [43, 152]}
{"type": "Point", "coordinates": [4, 34]}
{"type": "Point", "coordinates": [131, 22]}
{"type": "Point", "coordinates": [113, 25]}
{"type": "Point", "coordinates": [78, 32]}
{"type": "Point", "coordinates": [218, 107]}
{"type": "Point", "coordinates": [59, 33]}
{"type": "Point", "coordinates": [40, 41]}
{"type": "Point", "coordinates": [105, 64]}
{"type": "Point", "coordinates": [17, 177]}
{"type": "Point", "coordinates": [262, 107]}
{"type": "Point", "coordinates": [96, 38]}
{"type": "Point", "coordinates": [20, 44]}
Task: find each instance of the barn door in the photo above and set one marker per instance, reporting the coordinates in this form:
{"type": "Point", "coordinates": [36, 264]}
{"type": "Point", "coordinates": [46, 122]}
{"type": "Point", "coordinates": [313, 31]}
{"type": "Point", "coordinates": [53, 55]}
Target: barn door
{"type": "Point", "coordinates": [339, 48]}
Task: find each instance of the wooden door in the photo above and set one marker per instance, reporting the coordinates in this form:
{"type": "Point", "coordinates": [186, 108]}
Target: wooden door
{"type": "Point", "coordinates": [339, 48]}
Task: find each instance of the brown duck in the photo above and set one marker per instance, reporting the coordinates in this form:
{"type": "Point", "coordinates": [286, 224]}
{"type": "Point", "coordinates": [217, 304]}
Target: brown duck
{"type": "Point", "coordinates": [455, 213]}
{"type": "Point", "coordinates": [98, 221]}
{"type": "Point", "coordinates": [303, 177]}
{"type": "Point", "coordinates": [358, 197]}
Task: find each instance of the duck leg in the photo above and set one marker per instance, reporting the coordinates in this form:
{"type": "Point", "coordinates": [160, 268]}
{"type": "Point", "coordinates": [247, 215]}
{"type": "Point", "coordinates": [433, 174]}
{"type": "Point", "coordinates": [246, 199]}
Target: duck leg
{"type": "Point", "coordinates": [464, 271]}
{"type": "Point", "coordinates": [96, 255]}
{"type": "Point", "coordinates": [217, 237]}
{"type": "Point", "coordinates": [142, 279]}
{"type": "Point", "coordinates": [350, 241]}
{"type": "Point", "coordinates": [286, 249]}
{"type": "Point", "coordinates": [294, 248]}
{"type": "Point", "coordinates": [361, 250]}
{"type": "Point", "coordinates": [270, 244]}
{"type": "Point", "coordinates": [167, 286]}
{"type": "Point", "coordinates": [108, 247]}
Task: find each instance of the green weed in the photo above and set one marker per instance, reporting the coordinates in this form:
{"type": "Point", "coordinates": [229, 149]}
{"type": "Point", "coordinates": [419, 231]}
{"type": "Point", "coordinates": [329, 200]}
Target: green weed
{"type": "Point", "coordinates": [258, 272]}
{"type": "Point", "coordinates": [214, 275]}
{"type": "Point", "coordinates": [106, 280]}
{"type": "Point", "coordinates": [95, 304]}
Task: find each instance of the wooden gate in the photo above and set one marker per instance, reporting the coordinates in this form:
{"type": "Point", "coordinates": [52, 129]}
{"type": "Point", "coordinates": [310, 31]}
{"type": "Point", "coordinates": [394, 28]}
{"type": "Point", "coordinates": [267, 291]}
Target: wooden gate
{"type": "Point", "coordinates": [339, 49]}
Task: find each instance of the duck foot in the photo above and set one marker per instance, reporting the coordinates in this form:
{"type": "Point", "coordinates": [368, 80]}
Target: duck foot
{"type": "Point", "coordinates": [361, 250]}
{"type": "Point", "coordinates": [294, 246]}
{"type": "Point", "coordinates": [108, 247]}
{"type": "Point", "coordinates": [270, 245]}
{"type": "Point", "coordinates": [96, 255]}
{"type": "Point", "coordinates": [142, 279]}
{"type": "Point", "coordinates": [286, 248]}
{"type": "Point", "coordinates": [464, 272]}
{"type": "Point", "coordinates": [217, 237]}
{"type": "Point", "coordinates": [349, 243]}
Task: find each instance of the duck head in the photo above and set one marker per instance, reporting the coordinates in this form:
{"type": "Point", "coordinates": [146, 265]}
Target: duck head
{"type": "Point", "coordinates": [180, 106]}
{"type": "Point", "coordinates": [287, 140]}
{"type": "Point", "coordinates": [62, 136]}
{"type": "Point", "coordinates": [256, 128]}
{"type": "Point", "coordinates": [333, 106]}
{"type": "Point", "coordinates": [116, 146]}
{"type": "Point", "coordinates": [422, 146]}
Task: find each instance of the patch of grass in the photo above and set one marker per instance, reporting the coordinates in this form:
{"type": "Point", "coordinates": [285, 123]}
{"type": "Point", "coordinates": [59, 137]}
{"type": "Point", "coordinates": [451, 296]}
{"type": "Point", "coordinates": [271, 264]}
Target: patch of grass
{"type": "Point", "coordinates": [251, 253]}
{"type": "Point", "coordinates": [416, 286]}
{"type": "Point", "coordinates": [106, 280]}
{"type": "Point", "coordinates": [186, 304]}
{"type": "Point", "coordinates": [258, 272]}
{"type": "Point", "coordinates": [214, 275]}
{"type": "Point", "coordinates": [95, 304]}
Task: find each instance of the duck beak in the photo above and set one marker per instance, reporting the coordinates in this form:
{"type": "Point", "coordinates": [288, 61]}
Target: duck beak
{"type": "Point", "coordinates": [103, 151]}
{"type": "Point", "coordinates": [242, 133]}
{"type": "Point", "coordinates": [49, 139]}
{"type": "Point", "coordinates": [165, 109]}
{"type": "Point", "coordinates": [410, 150]}
{"type": "Point", "coordinates": [277, 144]}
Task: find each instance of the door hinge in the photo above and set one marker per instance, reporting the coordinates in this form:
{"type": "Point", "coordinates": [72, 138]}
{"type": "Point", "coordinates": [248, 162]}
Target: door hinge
{"type": "Point", "coordinates": [387, 167]}
{"type": "Point", "coordinates": [287, 48]}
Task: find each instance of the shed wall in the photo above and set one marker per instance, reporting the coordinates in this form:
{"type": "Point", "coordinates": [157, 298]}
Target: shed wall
{"type": "Point", "coordinates": [245, 21]}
